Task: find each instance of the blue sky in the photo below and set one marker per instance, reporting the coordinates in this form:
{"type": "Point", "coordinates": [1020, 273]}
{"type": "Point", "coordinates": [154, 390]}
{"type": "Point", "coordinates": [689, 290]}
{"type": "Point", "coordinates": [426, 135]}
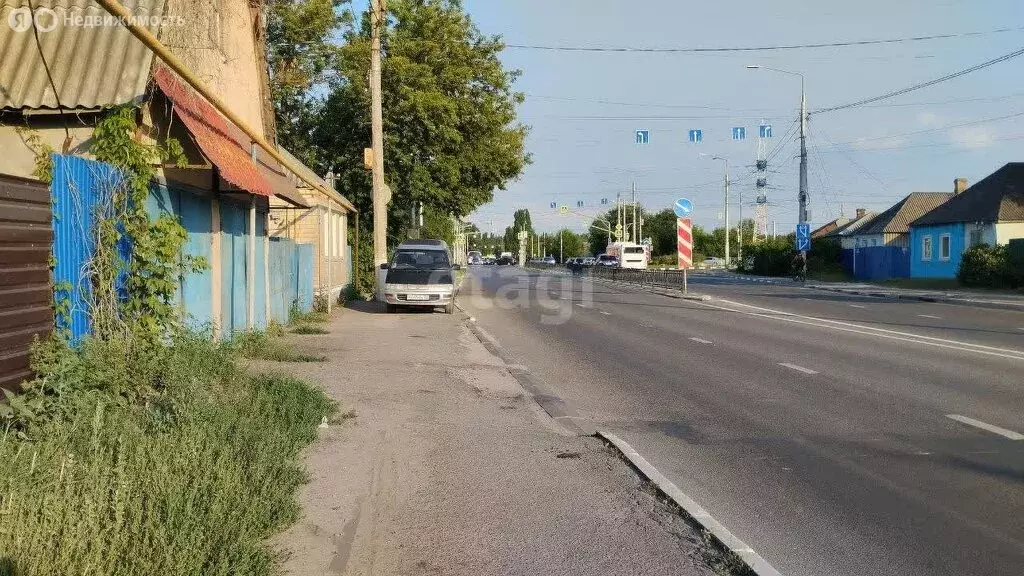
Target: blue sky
{"type": "Point", "coordinates": [584, 107]}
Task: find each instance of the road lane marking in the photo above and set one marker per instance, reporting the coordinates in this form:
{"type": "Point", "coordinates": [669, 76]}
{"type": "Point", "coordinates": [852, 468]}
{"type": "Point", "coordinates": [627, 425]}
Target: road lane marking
{"type": "Point", "coordinates": [606, 313]}
{"type": "Point", "coordinates": [798, 368]}
{"type": "Point", "coordinates": [930, 316]}
{"type": "Point", "coordinates": [985, 426]}
{"type": "Point", "coordinates": [701, 340]}
{"type": "Point", "coordinates": [857, 306]}
{"type": "Point", "coordinates": [757, 564]}
{"type": "Point", "coordinates": [870, 331]}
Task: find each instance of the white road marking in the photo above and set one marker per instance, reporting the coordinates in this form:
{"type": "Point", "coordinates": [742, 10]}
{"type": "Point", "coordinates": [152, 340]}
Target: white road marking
{"type": "Point", "coordinates": [930, 316]}
{"type": "Point", "coordinates": [701, 340]}
{"type": "Point", "coordinates": [758, 564]}
{"type": "Point", "coordinates": [871, 331]}
{"type": "Point", "coordinates": [985, 426]}
{"type": "Point", "coordinates": [606, 313]}
{"type": "Point", "coordinates": [857, 306]}
{"type": "Point", "coordinates": [798, 368]}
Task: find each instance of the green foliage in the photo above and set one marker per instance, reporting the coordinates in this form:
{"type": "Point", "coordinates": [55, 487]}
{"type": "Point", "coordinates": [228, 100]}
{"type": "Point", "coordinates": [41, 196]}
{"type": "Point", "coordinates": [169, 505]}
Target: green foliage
{"type": "Point", "coordinates": [771, 257]}
{"type": "Point", "coordinates": [264, 346]}
{"type": "Point", "coordinates": [156, 263]}
{"type": "Point", "coordinates": [366, 284]}
{"type": "Point", "coordinates": [309, 329]}
{"type": "Point", "coordinates": [193, 480]}
{"type": "Point", "coordinates": [660, 227]}
{"type": "Point", "coordinates": [437, 225]}
{"type": "Point", "coordinates": [43, 152]}
{"type": "Point", "coordinates": [301, 57]}
{"type": "Point", "coordinates": [450, 123]}
{"type": "Point", "coordinates": [988, 267]}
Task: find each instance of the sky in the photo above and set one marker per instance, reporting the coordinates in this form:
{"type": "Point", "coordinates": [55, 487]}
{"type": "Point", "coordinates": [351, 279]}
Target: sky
{"type": "Point", "coordinates": [584, 107]}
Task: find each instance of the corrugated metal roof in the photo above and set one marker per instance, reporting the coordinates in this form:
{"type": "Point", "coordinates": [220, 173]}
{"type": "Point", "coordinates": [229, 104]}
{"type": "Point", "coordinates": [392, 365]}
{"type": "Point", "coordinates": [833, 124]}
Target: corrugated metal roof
{"type": "Point", "coordinates": [897, 219]}
{"type": "Point", "coordinates": [215, 136]}
{"type": "Point", "coordinates": [308, 173]}
{"type": "Point", "coordinates": [997, 198]}
{"type": "Point", "coordinates": [92, 66]}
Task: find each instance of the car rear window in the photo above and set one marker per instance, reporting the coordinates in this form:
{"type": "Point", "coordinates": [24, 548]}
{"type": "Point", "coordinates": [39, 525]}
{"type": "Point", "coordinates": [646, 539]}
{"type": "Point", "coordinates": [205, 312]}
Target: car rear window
{"type": "Point", "coordinates": [634, 250]}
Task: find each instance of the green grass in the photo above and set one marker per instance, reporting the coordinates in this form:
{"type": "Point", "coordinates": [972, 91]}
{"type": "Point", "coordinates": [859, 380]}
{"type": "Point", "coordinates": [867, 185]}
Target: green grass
{"type": "Point", "coordinates": [311, 317]}
{"type": "Point", "coordinates": [263, 346]}
{"type": "Point", "coordinates": [308, 329]}
{"type": "Point", "coordinates": [191, 480]}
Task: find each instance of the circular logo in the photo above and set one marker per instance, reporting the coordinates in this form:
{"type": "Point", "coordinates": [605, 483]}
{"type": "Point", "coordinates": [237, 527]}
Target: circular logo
{"type": "Point", "coordinates": [20, 19]}
{"type": "Point", "coordinates": [46, 19]}
{"type": "Point", "coordinates": [683, 207]}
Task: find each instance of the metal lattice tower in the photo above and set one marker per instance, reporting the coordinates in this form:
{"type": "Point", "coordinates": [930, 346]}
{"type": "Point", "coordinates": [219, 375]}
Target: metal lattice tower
{"type": "Point", "coordinates": [761, 199]}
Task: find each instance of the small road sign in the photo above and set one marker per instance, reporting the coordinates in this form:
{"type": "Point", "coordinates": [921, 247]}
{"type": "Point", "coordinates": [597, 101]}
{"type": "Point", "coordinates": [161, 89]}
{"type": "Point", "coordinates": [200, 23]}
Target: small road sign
{"type": "Point", "coordinates": [766, 131]}
{"type": "Point", "coordinates": [554, 205]}
{"type": "Point", "coordinates": [643, 136]}
{"type": "Point", "coordinates": [696, 136]}
{"type": "Point", "coordinates": [684, 241]}
{"type": "Point", "coordinates": [739, 133]}
{"type": "Point", "coordinates": [803, 237]}
{"type": "Point", "coordinates": [579, 203]}
{"type": "Point", "coordinates": [683, 207]}
{"type": "Point", "coordinates": [563, 209]}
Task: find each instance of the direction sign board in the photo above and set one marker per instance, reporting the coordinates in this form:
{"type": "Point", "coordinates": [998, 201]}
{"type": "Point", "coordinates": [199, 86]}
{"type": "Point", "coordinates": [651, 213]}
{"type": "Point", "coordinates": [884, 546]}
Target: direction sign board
{"type": "Point", "coordinates": [553, 205]}
{"type": "Point", "coordinates": [803, 237]}
{"type": "Point", "coordinates": [643, 136]}
{"type": "Point", "coordinates": [683, 207]}
{"type": "Point", "coordinates": [765, 131]}
{"type": "Point", "coordinates": [739, 133]}
{"type": "Point", "coordinates": [684, 243]}
{"type": "Point", "coordinates": [696, 136]}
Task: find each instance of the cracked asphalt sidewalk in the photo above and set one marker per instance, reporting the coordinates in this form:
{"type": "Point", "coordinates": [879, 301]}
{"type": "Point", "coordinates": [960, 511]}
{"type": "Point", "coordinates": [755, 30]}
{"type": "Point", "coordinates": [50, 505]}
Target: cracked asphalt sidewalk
{"type": "Point", "coordinates": [449, 467]}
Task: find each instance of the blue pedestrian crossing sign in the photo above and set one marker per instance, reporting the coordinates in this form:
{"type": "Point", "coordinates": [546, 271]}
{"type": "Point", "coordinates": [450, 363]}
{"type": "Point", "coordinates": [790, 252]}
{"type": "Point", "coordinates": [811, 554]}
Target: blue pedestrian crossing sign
{"type": "Point", "coordinates": [643, 136]}
{"type": "Point", "coordinates": [803, 237]}
{"type": "Point", "coordinates": [696, 136]}
{"type": "Point", "coordinates": [766, 131]}
{"type": "Point", "coordinates": [739, 133]}
{"type": "Point", "coordinates": [683, 207]}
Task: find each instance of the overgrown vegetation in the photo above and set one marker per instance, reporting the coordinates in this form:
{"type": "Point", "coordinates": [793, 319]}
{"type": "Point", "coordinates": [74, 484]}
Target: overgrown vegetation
{"type": "Point", "coordinates": [264, 346]}
{"type": "Point", "coordinates": [151, 460]}
{"type": "Point", "coordinates": [985, 266]}
{"type": "Point", "coordinates": [309, 329]}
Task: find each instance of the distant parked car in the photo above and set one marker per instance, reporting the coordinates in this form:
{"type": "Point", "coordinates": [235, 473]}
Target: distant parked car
{"type": "Point", "coordinates": [504, 260]}
{"type": "Point", "coordinates": [474, 258]}
{"type": "Point", "coordinates": [550, 260]}
{"type": "Point", "coordinates": [714, 262]}
{"type": "Point", "coordinates": [608, 261]}
{"type": "Point", "coordinates": [589, 261]}
{"type": "Point", "coordinates": [421, 274]}
{"type": "Point", "coordinates": [490, 260]}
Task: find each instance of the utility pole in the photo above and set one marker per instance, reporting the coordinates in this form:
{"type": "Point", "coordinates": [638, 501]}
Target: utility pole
{"type": "Point", "coordinates": [739, 249]}
{"type": "Point", "coordinates": [381, 195]}
{"type": "Point", "coordinates": [560, 260]}
{"type": "Point", "coordinates": [618, 216]}
{"type": "Point", "coordinates": [633, 204]}
{"type": "Point", "coordinates": [726, 212]}
{"type": "Point", "coordinates": [803, 165]}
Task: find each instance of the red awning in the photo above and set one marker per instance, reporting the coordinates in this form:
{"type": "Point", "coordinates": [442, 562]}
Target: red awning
{"type": "Point", "coordinates": [216, 137]}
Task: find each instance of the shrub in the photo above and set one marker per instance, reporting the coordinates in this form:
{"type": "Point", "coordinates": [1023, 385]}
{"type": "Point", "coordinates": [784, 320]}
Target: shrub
{"type": "Point", "coordinates": [771, 257]}
{"type": "Point", "coordinates": [988, 267]}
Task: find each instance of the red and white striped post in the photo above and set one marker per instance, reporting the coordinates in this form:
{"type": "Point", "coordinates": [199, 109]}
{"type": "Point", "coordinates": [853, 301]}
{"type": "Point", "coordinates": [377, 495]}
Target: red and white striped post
{"type": "Point", "coordinates": [684, 244]}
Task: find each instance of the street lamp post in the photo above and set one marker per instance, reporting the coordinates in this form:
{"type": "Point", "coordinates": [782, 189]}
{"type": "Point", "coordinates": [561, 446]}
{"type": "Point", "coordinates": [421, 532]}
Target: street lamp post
{"type": "Point", "coordinates": [803, 149]}
{"type": "Point", "coordinates": [727, 231]}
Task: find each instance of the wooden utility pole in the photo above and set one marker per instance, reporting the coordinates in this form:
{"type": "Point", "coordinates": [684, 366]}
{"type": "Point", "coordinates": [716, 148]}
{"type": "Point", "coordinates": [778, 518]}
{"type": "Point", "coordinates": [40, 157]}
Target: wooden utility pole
{"type": "Point", "coordinates": [381, 194]}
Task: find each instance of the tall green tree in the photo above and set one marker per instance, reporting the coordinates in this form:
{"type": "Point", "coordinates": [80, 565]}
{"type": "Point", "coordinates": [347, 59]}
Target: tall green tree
{"type": "Point", "coordinates": [301, 58]}
{"type": "Point", "coordinates": [451, 136]}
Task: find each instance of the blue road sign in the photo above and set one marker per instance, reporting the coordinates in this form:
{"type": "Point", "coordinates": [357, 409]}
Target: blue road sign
{"type": "Point", "coordinates": [739, 133]}
{"type": "Point", "coordinates": [683, 207]}
{"type": "Point", "coordinates": [643, 136]}
{"type": "Point", "coordinates": [766, 131]}
{"type": "Point", "coordinates": [553, 205]}
{"type": "Point", "coordinates": [803, 237]}
{"type": "Point", "coordinates": [579, 203]}
{"type": "Point", "coordinates": [604, 200]}
{"type": "Point", "coordinates": [696, 136]}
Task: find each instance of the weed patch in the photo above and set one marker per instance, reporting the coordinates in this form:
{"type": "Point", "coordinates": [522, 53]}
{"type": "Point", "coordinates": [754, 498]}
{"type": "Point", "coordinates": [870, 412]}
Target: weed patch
{"type": "Point", "coordinates": [308, 329]}
{"type": "Point", "coordinates": [262, 346]}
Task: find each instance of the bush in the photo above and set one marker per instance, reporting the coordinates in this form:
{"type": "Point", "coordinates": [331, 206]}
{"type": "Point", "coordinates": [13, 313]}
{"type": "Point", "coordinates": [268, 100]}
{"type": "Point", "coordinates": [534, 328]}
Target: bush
{"type": "Point", "coordinates": [987, 267]}
{"type": "Point", "coordinates": [189, 476]}
{"type": "Point", "coordinates": [771, 257]}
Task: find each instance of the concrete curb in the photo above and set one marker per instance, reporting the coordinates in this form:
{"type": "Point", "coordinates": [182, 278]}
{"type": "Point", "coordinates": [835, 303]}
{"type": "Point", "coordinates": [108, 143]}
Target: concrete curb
{"type": "Point", "coordinates": [990, 304]}
{"type": "Point", "coordinates": [725, 538]}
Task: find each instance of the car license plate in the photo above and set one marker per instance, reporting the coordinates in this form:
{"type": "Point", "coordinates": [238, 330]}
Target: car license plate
{"type": "Point", "coordinates": [417, 297]}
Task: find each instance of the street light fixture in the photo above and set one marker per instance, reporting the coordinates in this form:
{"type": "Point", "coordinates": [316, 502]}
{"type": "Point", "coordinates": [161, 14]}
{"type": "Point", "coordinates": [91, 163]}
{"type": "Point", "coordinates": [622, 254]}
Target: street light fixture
{"type": "Point", "coordinates": [803, 147]}
{"type": "Point", "coordinates": [727, 232]}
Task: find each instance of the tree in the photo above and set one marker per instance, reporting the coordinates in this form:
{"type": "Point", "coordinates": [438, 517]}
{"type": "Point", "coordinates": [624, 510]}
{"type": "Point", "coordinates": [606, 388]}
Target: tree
{"type": "Point", "coordinates": [301, 56]}
{"type": "Point", "coordinates": [450, 128]}
{"type": "Point", "coordinates": [597, 234]}
{"type": "Point", "coordinates": [661, 228]}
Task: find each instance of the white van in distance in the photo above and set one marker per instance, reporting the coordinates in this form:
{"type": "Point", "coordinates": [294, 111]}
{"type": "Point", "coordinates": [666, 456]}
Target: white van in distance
{"type": "Point", "coordinates": [630, 254]}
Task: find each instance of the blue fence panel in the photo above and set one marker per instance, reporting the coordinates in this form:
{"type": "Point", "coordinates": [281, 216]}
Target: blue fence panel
{"type": "Point", "coordinates": [197, 287]}
{"type": "Point", "coordinates": [881, 263]}
{"type": "Point", "coordinates": [304, 273]}
{"type": "Point", "coordinates": [234, 312]}
{"type": "Point", "coordinates": [79, 188]}
{"type": "Point", "coordinates": [260, 293]}
{"type": "Point", "coordinates": [283, 281]}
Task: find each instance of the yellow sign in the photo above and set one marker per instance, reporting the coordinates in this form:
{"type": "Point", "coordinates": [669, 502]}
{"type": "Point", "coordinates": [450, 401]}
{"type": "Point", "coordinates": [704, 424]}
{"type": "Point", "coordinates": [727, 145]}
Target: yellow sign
{"type": "Point", "coordinates": [563, 209]}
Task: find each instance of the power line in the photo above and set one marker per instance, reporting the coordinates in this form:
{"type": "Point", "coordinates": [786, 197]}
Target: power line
{"type": "Point", "coordinates": [894, 93]}
{"type": "Point", "coordinates": [634, 49]}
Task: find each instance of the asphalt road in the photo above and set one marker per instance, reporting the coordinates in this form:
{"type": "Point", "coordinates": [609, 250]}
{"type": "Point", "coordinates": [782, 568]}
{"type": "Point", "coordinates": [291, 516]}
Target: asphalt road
{"type": "Point", "coordinates": [814, 429]}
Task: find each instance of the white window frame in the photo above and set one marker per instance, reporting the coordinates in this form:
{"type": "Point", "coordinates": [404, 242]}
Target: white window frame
{"type": "Point", "coordinates": [949, 247]}
{"type": "Point", "coordinates": [926, 248]}
{"type": "Point", "coordinates": [325, 221]}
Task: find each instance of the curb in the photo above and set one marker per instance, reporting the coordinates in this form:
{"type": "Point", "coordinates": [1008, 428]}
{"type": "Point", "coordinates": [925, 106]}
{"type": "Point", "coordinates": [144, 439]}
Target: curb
{"type": "Point", "coordinates": [994, 305]}
{"type": "Point", "coordinates": [721, 534]}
